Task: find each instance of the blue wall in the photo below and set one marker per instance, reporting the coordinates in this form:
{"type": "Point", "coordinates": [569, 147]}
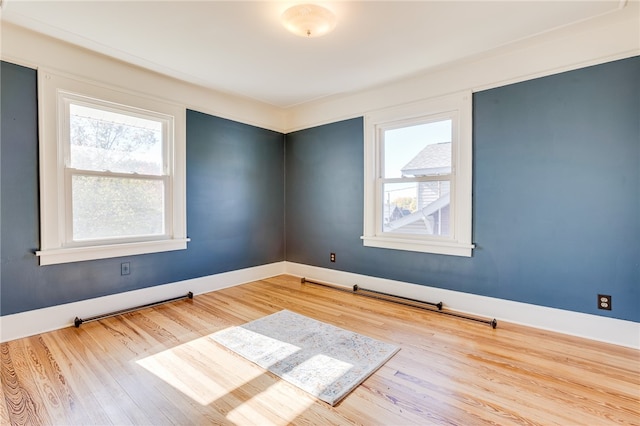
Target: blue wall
{"type": "Point", "coordinates": [556, 196]}
{"type": "Point", "coordinates": [233, 171]}
{"type": "Point", "coordinates": [556, 200]}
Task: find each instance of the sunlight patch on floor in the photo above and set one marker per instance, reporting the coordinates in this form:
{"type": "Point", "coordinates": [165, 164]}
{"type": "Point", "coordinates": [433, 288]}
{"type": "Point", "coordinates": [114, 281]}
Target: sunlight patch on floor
{"type": "Point", "coordinates": [201, 369]}
{"type": "Point", "coordinates": [276, 400]}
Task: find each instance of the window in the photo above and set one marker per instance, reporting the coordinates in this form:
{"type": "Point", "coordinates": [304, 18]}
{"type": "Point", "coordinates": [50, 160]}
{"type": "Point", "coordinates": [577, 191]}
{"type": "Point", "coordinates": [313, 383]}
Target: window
{"type": "Point", "coordinates": [112, 172]}
{"type": "Point", "coordinates": [418, 163]}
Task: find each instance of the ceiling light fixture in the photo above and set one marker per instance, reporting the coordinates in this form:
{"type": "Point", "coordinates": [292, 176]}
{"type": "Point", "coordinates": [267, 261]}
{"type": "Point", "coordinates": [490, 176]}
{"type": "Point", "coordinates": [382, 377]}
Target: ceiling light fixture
{"type": "Point", "coordinates": [309, 20]}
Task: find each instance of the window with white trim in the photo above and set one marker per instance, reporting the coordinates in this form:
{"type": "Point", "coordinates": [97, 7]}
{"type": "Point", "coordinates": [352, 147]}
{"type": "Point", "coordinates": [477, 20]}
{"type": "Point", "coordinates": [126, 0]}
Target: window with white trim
{"type": "Point", "coordinates": [418, 177]}
{"type": "Point", "coordinates": [112, 172]}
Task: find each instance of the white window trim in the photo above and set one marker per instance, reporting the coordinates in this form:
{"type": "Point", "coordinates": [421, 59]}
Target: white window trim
{"type": "Point", "coordinates": [53, 216]}
{"type": "Point", "coordinates": [459, 243]}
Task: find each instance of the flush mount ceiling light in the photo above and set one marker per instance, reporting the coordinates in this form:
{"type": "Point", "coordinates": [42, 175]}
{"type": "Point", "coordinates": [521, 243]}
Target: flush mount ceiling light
{"type": "Point", "coordinates": [309, 20]}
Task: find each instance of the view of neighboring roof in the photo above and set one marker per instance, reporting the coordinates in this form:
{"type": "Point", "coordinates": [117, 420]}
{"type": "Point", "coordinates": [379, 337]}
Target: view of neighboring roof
{"type": "Point", "coordinates": [434, 158]}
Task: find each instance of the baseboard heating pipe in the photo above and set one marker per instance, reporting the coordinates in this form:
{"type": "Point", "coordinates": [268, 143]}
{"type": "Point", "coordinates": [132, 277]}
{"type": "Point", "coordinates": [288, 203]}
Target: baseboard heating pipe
{"type": "Point", "coordinates": [402, 300]}
{"type": "Point", "coordinates": [78, 321]}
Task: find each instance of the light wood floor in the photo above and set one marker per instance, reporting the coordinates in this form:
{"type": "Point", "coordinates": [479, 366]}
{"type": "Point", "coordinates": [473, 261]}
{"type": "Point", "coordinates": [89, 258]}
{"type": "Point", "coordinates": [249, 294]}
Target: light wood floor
{"type": "Point", "coordinates": [156, 366]}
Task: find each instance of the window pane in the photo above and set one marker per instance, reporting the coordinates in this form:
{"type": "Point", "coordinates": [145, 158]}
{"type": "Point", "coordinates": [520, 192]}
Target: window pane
{"type": "Point", "coordinates": [104, 140]}
{"type": "Point", "coordinates": [420, 150]}
{"type": "Point", "coordinates": [107, 207]}
{"type": "Point", "coordinates": [420, 208]}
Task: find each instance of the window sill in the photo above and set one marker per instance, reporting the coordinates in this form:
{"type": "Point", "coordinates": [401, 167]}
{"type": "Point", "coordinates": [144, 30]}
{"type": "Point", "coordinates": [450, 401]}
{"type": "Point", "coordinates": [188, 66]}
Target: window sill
{"type": "Point", "coordinates": [451, 248]}
{"type": "Point", "coordinates": [78, 254]}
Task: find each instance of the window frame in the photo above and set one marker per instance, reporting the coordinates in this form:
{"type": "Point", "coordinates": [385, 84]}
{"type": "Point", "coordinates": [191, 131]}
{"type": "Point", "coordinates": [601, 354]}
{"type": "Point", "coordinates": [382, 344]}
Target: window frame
{"type": "Point", "coordinates": [457, 106]}
{"type": "Point", "coordinates": [56, 92]}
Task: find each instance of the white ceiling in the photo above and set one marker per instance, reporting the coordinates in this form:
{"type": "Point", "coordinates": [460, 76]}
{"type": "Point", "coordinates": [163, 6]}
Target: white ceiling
{"type": "Point", "coordinates": [241, 48]}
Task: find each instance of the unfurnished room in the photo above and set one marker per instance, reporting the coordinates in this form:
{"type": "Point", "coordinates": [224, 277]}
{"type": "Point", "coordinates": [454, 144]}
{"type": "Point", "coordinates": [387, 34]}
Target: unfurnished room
{"type": "Point", "coordinates": [320, 213]}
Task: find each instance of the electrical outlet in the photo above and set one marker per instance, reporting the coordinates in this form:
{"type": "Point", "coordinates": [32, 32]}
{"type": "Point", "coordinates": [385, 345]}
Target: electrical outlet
{"type": "Point", "coordinates": [125, 268]}
{"type": "Point", "coordinates": [332, 257]}
{"type": "Point", "coordinates": [604, 302]}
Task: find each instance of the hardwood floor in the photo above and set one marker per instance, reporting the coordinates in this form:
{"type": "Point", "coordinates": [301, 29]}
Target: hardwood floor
{"type": "Point", "coordinates": [157, 366]}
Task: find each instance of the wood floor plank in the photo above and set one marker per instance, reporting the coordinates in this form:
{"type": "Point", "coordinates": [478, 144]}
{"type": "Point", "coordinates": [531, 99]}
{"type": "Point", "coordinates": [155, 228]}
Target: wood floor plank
{"type": "Point", "coordinates": [159, 366]}
{"type": "Point", "coordinates": [4, 413]}
{"type": "Point", "coordinates": [78, 380]}
{"type": "Point", "coordinates": [53, 387]}
{"type": "Point", "coordinates": [22, 405]}
{"type": "Point", "coordinates": [87, 369]}
{"type": "Point", "coordinates": [124, 344]}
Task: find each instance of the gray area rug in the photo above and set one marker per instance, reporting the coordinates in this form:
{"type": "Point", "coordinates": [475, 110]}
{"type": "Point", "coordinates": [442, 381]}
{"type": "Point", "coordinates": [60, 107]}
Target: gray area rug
{"type": "Point", "coordinates": [321, 359]}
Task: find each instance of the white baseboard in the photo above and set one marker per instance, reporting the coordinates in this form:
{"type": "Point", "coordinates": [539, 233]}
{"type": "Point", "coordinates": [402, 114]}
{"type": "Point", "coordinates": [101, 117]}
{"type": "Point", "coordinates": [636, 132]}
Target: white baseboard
{"type": "Point", "coordinates": [594, 327]}
{"type": "Point", "coordinates": [55, 317]}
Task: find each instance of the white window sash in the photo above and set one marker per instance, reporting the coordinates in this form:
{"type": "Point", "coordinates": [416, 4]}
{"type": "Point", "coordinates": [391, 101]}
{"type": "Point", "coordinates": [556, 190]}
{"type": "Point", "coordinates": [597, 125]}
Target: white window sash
{"type": "Point", "coordinates": [69, 238]}
{"type": "Point", "coordinates": [456, 107]}
{"type": "Point", "coordinates": [55, 93]}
